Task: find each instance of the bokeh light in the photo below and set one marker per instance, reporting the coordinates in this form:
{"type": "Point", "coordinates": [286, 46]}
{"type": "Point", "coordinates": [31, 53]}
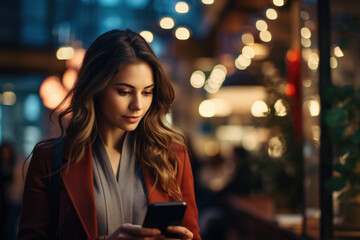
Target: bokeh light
{"type": "Point", "coordinates": [247, 38]}
{"type": "Point", "coordinates": [261, 25]}
{"type": "Point", "coordinates": [271, 14]}
{"type": "Point", "coordinates": [52, 92]}
{"type": "Point", "coordinates": [182, 33]}
{"type": "Point", "coordinates": [147, 35]}
{"type": "Point", "coordinates": [279, 3]}
{"type": "Point", "coordinates": [197, 79]}
{"type": "Point", "coordinates": [260, 109]}
{"type": "Point", "coordinates": [167, 23]}
{"type": "Point", "coordinates": [182, 7]}
{"type": "Point", "coordinates": [265, 36]}
{"type": "Point", "coordinates": [65, 53]}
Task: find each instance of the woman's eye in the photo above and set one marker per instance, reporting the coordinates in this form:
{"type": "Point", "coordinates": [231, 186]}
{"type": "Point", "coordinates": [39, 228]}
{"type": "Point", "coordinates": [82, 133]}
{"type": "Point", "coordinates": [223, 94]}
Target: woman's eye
{"type": "Point", "coordinates": [123, 93]}
{"type": "Point", "coordinates": [148, 93]}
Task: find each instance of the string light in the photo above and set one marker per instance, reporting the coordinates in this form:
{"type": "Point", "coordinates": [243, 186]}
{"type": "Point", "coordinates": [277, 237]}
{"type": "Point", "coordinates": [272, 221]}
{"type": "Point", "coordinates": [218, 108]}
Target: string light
{"type": "Point", "coordinates": [265, 36]}
{"type": "Point", "coordinates": [271, 14]}
{"type": "Point", "coordinates": [261, 25]}
{"type": "Point", "coordinates": [247, 38]}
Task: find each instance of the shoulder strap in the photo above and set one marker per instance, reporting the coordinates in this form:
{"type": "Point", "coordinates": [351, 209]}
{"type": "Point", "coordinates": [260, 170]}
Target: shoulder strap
{"type": "Point", "coordinates": [54, 186]}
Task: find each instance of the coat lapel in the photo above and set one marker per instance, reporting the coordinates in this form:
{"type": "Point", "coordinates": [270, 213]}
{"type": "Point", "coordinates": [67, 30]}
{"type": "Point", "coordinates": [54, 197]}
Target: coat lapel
{"type": "Point", "coordinates": [78, 181]}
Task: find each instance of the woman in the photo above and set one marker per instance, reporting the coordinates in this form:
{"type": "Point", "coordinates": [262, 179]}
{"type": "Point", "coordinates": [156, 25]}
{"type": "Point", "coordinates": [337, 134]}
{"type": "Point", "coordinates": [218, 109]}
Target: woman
{"type": "Point", "coordinates": [120, 154]}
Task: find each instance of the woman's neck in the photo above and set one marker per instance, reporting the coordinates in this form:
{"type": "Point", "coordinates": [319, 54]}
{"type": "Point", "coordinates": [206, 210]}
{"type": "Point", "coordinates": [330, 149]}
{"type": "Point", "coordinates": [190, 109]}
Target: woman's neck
{"type": "Point", "coordinates": [112, 139]}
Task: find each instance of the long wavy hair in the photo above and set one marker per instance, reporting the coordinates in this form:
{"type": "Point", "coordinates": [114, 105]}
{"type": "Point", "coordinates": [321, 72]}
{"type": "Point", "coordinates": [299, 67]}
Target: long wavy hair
{"type": "Point", "coordinates": [153, 136]}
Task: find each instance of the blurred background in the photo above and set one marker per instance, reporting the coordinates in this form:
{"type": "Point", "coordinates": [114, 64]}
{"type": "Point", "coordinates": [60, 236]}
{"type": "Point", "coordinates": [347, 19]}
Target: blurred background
{"type": "Point", "coordinates": [267, 93]}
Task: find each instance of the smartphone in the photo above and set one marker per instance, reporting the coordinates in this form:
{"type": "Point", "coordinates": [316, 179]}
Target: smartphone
{"type": "Point", "coordinates": [162, 214]}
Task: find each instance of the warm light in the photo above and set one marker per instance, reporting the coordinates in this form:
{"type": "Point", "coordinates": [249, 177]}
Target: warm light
{"type": "Point", "coordinates": [307, 83]}
{"type": "Point", "coordinates": [69, 78]}
{"type": "Point", "coordinates": [276, 147]}
{"type": "Point", "coordinates": [242, 62]}
{"type": "Point", "coordinates": [8, 98]}
{"type": "Point", "coordinates": [292, 55]}
{"type": "Point", "coordinates": [182, 33]}
{"type": "Point", "coordinates": [229, 133]}
{"type": "Point", "coordinates": [247, 38]}
{"type": "Point", "coordinates": [65, 53]}
{"type": "Point", "coordinates": [278, 3]}
{"type": "Point", "coordinates": [77, 60]}
{"type": "Point", "coordinates": [280, 108]}
{"type": "Point", "coordinates": [304, 15]}
{"type": "Point", "coordinates": [207, 109]}
{"type": "Point", "coordinates": [52, 92]}
{"type": "Point", "coordinates": [333, 62]}
{"type": "Point", "coordinates": [271, 14]}
{"type": "Point", "coordinates": [306, 42]}
{"type": "Point", "coordinates": [197, 79]}
{"type": "Point", "coordinates": [261, 51]}
{"type": "Point", "coordinates": [222, 107]}
{"type": "Point", "coordinates": [261, 25]}
{"type": "Point", "coordinates": [316, 132]}
{"type": "Point", "coordinates": [207, 2]}
{"type": "Point", "coordinates": [211, 88]}
{"type": "Point", "coordinates": [314, 108]}
{"type": "Point", "coordinates": [289, 89]}
{"type": "Point", "coordinates": [147, 35]}
{"type": "Point", "coordinates": [313, 61]}
{"type": "Point", "coordinates": [265, 36]}
{"type": "Point", "coordinates": [167, 23]}
{"type": "Point", "coordinates": [218, 74]}
{"type": "Point", "coordinates": [215, 108]}
{"type": "Point", "coordinates": [338, 52]}
{"type": "Point", "coordinates": [211, 148]}
{"type": "Point", "coordinates": [305, 32]}
{"type": "Point", "coordinates": [182, 7]}
{"type": "Point", "coordinates": [260, 109]}
{"type": "Point", "coordinates": [248, 52]}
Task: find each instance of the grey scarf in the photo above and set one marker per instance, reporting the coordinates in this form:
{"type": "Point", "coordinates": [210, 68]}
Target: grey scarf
{"type": "Point", "coordinates": [121, 200]}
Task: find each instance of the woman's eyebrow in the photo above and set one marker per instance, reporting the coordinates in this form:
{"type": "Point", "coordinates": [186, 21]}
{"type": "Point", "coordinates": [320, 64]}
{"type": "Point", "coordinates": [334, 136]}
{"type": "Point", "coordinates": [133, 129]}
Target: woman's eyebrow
{"type": "Point", "coordinates": [131, 86]}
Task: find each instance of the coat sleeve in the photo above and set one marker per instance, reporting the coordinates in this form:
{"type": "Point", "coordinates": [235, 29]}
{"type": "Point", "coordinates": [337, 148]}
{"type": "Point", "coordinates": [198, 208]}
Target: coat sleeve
{"type": "Point", "coordinates": [34, 221]}
{"type": "Point", "coordinates": [186, 182]}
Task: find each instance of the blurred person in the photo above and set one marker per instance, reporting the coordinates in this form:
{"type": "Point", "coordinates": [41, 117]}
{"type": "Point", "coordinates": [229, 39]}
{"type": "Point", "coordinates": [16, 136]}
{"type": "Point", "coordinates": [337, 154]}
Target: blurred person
{"type": "Point", "coordinates": [120, 153]}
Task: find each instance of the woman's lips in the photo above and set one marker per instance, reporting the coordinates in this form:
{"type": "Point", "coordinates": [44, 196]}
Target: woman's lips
{"type": "Point", "coordinates": [131, 119]}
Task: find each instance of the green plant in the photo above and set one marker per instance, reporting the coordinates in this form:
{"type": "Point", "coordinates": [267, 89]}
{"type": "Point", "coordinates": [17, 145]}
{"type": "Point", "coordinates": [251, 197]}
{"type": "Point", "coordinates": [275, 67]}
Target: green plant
{"type": "Point", "coordinates": [343, 120]}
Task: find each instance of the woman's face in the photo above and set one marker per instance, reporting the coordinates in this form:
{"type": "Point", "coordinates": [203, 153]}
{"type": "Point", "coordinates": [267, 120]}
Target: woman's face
{"type": "Point", "coordinates": [127, 98]}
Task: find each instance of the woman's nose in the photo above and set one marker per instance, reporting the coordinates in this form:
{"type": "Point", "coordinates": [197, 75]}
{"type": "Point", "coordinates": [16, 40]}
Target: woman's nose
{"type": "Point", "coordinates": [136, 103]}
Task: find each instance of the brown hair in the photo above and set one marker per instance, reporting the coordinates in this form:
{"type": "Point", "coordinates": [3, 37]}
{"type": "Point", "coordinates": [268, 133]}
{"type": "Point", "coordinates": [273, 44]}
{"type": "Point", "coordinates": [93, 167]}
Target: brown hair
{"type": "Point", "coordinates": [153, 136]}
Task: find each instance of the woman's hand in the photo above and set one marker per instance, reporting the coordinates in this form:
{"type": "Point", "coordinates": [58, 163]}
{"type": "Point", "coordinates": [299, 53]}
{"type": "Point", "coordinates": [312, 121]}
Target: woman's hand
{"type": "Point", "coordinates": [129, 232]}
{"type": "Point", "coordinates": [185, 233]}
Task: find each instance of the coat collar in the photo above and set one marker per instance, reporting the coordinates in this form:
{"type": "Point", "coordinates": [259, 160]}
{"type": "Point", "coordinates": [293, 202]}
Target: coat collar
{"type": "Point", "coordinates": [79, 184]}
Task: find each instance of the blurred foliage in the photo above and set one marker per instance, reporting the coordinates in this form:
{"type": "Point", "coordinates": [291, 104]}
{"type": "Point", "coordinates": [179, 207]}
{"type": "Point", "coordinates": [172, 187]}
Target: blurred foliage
{"type": "Point", "coordinates": [342, 119]}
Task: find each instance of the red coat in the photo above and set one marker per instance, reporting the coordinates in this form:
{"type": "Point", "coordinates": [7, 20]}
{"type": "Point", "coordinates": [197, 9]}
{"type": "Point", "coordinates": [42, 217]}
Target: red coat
{"type": "Point", "coordinates": [77, 214]}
